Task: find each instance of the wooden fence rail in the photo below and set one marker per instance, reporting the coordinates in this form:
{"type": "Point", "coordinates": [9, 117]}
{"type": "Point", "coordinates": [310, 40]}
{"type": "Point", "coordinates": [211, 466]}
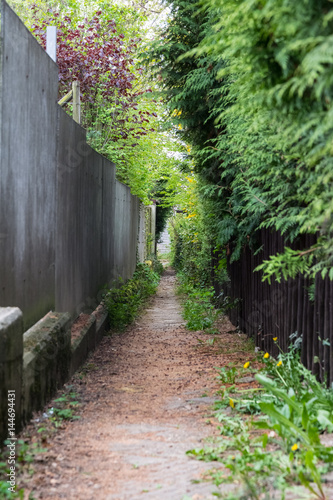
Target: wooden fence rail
{"type": "Point", "coordinates": [266, 311]}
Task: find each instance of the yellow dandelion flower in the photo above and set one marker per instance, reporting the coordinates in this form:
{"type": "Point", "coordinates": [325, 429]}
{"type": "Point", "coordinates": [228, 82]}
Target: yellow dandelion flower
{"type": "Point", "coordinates": [279, 363]}
{"type": "Point", "coordinates": [247, 364]}
{"type": "Point", "coordinates": [294, 447]}
{"type": "Point", "coordinates": [275, 339]}
{"type": "Point", "coordinates": [231, 403]}
{"type": "Point", "coordinates": [266, 355]}
{"type": "Point", "coordinates": [180, 127]}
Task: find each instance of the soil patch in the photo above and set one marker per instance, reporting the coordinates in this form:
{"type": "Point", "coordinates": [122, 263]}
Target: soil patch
{"type": "Point", "coordinates": [77, 326]}
{"type": "Point", "coordinates": [146, 397]}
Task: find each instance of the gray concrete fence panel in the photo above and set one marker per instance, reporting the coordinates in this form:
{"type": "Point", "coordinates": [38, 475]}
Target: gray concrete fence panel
{"type": "Point", "coordinates": [108, 222]}
{"type": "Point", "coordinates": [29, 82]}
{"type": "Point", "coordinates": [79, 219]}
{"type": "Point", "coordinates": [125, 232]}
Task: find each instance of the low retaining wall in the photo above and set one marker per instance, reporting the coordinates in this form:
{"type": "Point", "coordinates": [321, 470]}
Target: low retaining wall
{"type": "Point", "coordinates": [11, 364]}
{"type": "Point", "coordinates": [46, 360]}
{"type": "Point", "coordinates": [35, 364]}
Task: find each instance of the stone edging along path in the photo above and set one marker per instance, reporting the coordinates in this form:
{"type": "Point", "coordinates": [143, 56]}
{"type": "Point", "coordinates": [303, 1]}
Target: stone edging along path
{"type": "Point", "coordinates": [145, 396]}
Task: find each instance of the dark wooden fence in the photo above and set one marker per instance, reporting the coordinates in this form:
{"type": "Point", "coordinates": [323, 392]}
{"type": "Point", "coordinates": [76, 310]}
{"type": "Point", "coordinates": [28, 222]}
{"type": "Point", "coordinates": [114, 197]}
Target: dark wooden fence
{"type": "Point", "coordinates": [266, 311]}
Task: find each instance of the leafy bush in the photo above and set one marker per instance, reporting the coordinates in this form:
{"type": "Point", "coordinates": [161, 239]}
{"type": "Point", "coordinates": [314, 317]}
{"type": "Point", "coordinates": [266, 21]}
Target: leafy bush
{"type": "Point", "coordinates": [194, 247]}
{"type": "Point", "coordinates": [98, 44]}
{"type": "Point", "coordinates": [124, 301]}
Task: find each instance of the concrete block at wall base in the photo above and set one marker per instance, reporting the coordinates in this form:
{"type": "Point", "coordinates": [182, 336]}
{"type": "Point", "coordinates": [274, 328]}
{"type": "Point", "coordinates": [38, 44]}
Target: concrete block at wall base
{"type": "Point", "coordinates": [46, 360]}
{"type": "Point", "coordinates": [102, 322]}
{"type": "Point", "coordinates": [11, 355]}
{"type": "Point", "coordinates": [83, 344]}
{"type": "Point", "coordinates": [102, 326]}
{"type": "Point", "coordinates": [89, 337]}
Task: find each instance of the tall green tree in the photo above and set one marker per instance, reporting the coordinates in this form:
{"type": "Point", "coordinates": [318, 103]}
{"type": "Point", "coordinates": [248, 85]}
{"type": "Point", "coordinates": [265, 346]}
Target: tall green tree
{"type": "Point", "coordinates": [279, 126]}
{"type": "Point", "coordinates": [250, 83]}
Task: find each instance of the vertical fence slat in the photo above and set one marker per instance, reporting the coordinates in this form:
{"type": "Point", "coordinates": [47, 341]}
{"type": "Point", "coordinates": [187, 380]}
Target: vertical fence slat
{"type": "Point", "coordinates": [316, 351]}
{"type": "Point", "coordinates": [331, 330]}
{"type": "Point", "coordinates": [280, 309]}
{"type": "Point", "coordinates": [326, 329]}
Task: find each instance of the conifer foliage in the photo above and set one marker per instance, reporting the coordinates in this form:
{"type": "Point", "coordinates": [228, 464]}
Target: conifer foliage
{"type": "Point", "coordinates": [250, 82]}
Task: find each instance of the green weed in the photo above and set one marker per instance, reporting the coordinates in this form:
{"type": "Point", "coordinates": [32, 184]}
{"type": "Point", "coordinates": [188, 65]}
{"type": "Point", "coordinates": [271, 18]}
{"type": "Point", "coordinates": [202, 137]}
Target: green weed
{"type": "Point", "coordinates": [279, 448]}
{"type": "Point", "coordinates": [227, 375]}
{"type": "Point", "coordinates": [198, 306]}
{"type": "Point", "coordinates": [125, 299]}
{"type": "Point", "coordinates": [64, 408]}
{"type": "Point", "coordinates": [25, 456]}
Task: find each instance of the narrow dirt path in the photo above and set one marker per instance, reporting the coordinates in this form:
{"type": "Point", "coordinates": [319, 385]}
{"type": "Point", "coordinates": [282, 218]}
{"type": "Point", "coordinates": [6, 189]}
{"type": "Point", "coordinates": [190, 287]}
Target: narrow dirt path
{"type": "Point", "coordinates": [146, 394]}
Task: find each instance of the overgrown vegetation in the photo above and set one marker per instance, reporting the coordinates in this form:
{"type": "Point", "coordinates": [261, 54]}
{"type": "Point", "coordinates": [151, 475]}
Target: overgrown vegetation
{"type": "Point", "coordinates": [124, 301]}
{"type": "Point", "coordinates": [192, 235]}
{"type": "Point", "coordinates": [198, 306]}
{"type": "Point", "coordinates": [273, 441]}
{"type": "Point", "coordinates": [197, 258]}
{"type": "Point", "coordinates": [250, 85]}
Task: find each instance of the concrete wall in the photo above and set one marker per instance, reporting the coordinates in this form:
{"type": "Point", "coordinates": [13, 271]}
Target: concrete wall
{"type": "Point", "coordinates": [67, 226]}
{"type": "Point", "coordinates": [29, 83]}
{"type": "Point", "coordinates": [35, 364]}
{"type": "Point", "coordinates": [46, 361]}
{"type": "Point", "coordinates": [79, 224]}
{"type": "Point", "coordinates": [126, 225]}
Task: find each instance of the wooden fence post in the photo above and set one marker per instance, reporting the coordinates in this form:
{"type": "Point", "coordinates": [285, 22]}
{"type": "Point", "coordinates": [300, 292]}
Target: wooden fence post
{"type": "Point", "coordinates": [76, 102]}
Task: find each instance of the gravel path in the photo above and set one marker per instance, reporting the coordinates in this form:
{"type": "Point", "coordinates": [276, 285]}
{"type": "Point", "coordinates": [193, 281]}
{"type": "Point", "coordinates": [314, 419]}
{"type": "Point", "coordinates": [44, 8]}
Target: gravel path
{"type": "Point", "coordinates": [146, 394]}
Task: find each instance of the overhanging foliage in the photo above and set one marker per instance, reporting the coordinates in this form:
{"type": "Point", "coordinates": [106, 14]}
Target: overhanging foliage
{"type": "Point", "coordinates": [250, 83]}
